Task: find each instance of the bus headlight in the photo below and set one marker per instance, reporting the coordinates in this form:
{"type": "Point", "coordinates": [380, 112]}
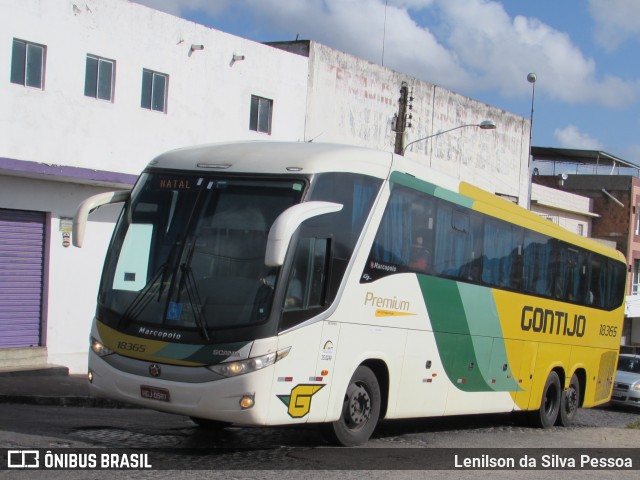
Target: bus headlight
{"type": "Point", "coordinates": [232, 369]}
{"type": "Point", "coordinates": [99, 348]}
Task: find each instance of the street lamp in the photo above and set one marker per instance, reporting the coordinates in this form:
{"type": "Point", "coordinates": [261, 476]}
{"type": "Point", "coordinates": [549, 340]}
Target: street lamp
{"type": "Point", "coordinates": [484, 125]}
{"type": "Point", "coordinates": [531, 78]}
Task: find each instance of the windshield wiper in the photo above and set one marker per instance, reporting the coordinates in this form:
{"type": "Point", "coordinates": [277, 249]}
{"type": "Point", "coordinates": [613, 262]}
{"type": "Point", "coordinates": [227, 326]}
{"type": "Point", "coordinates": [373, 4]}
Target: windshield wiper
{"type": "Point", "coordinates": [144, 296]}
{"type": "Point", "coordinates": [193, 295]}
{"type": "Point", "coordinates": [188, 283]}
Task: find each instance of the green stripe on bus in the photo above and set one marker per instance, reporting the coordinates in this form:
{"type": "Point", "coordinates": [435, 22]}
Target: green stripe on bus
{"type": "Point", "coordinates": [467, 331]}
{"type": "Point", "coordinates": [430, 189]}
{"type": "Point", "coordinates": [412, 182]}
{"type": "Point", "coordinates": [486, 332]}
{"type": "Point", "coordinates": [452, 335]}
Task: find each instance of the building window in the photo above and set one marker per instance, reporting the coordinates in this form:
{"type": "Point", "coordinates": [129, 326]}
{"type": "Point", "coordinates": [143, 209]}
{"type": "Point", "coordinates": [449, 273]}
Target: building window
{"type": "Point", "coordinates": [98, 79]}
{"type": "Point", "coordinates": [638, 219]}
{"type": "Point", "coordinates": [154, 91]}
{"type": "Point", "coordinates": [552, 218]}
{"type": "Point", "coordinates": [27, 64]}
{"type": "Point", "coordinates": [260, 119]}
{"type": "Point", "coordinates": [581, 229]}
{"type": "Point", "coordinates": [635, 281]}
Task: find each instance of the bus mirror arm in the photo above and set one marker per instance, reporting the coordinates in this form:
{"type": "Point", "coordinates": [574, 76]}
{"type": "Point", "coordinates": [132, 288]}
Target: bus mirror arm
{"type": "Point", "coordinates": [88, 206]}
{"type": "Point", "coordinates": [287, 223]}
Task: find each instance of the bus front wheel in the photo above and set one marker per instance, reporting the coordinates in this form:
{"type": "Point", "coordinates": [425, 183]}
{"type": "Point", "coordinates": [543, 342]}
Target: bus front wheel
{"type": "Point", "coordinates": [547, 414]}
{"type": "Point", "coordinates": [360, 410]}
{"type": "Point", "coordinates": [570, 403]}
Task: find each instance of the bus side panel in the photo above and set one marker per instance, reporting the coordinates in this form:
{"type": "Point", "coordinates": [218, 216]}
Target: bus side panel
{"type": "Point", "coordinates": [599, 367]}
{"type": "Point", "coordinates": [325, 369]}
{"type": "Point", "coordinates": [599, 392]}
{"type": "Point", "coordinates": [566, 336]}
{"type": "Point", "coordinates": [356, 345]}
{"type": "Point", "coordinates": [550, 356]}
{"type": "Point", "coordinates": [386, 320]}
{"type": "Point", "coordinates": [475, 385]}
{"type": "Point", "coordinates": [522, 356]}
{"type": "Point", "coordinates": [297, 391]}
{"type": "Point", "coordinates": [424, 384]}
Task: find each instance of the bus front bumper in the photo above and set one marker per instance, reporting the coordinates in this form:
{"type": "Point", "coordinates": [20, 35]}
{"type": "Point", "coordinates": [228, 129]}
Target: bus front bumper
{"type": "Point", "coordinates": [232, 400]}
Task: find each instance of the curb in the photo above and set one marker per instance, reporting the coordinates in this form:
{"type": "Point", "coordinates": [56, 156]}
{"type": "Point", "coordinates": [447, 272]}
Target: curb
{"type": "Point", "coordinates": [42, 371]}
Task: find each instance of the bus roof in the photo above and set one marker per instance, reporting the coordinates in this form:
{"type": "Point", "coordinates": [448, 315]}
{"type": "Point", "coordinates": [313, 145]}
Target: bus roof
{"type": "Point", "coordinates": [268, 157]}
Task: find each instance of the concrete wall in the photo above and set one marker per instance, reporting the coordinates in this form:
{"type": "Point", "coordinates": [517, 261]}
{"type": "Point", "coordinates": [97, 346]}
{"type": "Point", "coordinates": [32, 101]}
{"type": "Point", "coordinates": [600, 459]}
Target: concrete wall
{"type": "Point", "coordinates": [353, 101]}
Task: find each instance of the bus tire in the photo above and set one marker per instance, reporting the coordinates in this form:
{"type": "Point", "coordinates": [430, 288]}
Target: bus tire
{"type": "Point", "coordinates": [570, 403]}
{"type": "Point", "coordinates": [360, 410]}
{"type": "Point", "coordinates": [209, 424]}
{"type": "Point", "coordinates": [547, 414]}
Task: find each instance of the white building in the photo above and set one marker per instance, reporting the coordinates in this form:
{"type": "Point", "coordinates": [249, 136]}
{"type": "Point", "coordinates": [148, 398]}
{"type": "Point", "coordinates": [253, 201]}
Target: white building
{"type": "Point", "coordinates": [68, 134]}
{"type": "Point", "coordinates": [570, 211]}
{"type": "Point", "coordinates": [91, 90]}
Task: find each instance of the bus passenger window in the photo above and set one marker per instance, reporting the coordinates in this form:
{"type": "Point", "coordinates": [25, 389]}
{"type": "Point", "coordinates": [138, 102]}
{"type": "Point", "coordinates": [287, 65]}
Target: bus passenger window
{"type": "Point", "coordinates": [458, 243]}
{"type": "Point", "coordinates": [501, 251]}
{"type": "Point", "coordinates": [420, 258]}
{"type": "Point", "coordinates": [405, 238]}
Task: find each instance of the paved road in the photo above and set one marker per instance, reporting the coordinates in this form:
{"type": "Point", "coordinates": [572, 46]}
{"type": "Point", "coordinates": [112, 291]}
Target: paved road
{"type": "Point", "coordinates": [249, 451]}
{"type": "Point", "coordinates": [134, 428]}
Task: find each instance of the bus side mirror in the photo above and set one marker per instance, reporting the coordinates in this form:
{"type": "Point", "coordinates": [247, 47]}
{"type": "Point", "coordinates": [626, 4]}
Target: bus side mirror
{"type": "Point", "coordinates": [88, 206]}
{"type": "Point", "coordinates": [287, 223]}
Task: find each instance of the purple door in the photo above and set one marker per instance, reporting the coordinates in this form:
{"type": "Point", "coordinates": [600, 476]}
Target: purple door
{"type": "Point", "coordinates": [22, 237]}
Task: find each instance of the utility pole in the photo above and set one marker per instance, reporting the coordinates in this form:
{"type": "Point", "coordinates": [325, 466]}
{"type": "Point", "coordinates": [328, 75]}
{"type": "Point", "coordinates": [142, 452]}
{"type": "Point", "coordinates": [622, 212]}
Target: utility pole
{"type": "Point", "coordinates": [402, 119]}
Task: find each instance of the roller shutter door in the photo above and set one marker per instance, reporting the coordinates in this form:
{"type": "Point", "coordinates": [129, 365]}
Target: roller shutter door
{"type": "Point", "coordinates": [22, 237]}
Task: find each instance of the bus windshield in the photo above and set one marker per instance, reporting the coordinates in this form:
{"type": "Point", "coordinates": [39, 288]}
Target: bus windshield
{"type": "Point", "coordinates": [188, 253]}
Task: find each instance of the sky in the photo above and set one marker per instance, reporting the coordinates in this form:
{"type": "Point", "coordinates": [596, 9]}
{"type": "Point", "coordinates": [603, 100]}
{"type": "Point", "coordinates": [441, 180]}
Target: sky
{"type": "Point", "coordinates": [584, 53]}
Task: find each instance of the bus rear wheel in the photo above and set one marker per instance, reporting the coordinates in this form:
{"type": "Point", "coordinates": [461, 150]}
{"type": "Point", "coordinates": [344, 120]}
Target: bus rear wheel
{"type": "Point", "coordinates": [360, 410]}
{"type": "Point", "coordinates": [547, 414]}
{"type": "Point", "coordinates": [570, 403]}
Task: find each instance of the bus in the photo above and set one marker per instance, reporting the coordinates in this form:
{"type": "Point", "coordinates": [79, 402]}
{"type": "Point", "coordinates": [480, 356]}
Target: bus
{"type": "Point", "coordinates": [275, 283]}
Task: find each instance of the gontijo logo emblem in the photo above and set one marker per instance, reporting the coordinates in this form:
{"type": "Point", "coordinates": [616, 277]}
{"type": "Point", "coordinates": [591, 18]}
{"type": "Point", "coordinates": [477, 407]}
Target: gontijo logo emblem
{"type": "Point", "coordinates": [299, 401]}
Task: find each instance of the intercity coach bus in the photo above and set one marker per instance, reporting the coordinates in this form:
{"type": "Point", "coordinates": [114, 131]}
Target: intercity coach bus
{"type": "Point", "coordinates": [268, 283]}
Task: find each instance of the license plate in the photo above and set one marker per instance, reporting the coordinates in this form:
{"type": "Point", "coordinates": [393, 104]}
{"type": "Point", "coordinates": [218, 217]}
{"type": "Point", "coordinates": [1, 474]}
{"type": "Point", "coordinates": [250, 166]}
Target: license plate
{"type": "Point", "coordinates": [154, 393]}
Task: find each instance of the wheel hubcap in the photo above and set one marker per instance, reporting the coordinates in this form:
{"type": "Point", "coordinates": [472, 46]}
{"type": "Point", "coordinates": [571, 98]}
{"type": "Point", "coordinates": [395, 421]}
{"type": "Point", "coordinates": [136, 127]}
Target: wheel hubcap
{"type": "Point", "coordinates": [359, 405]}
